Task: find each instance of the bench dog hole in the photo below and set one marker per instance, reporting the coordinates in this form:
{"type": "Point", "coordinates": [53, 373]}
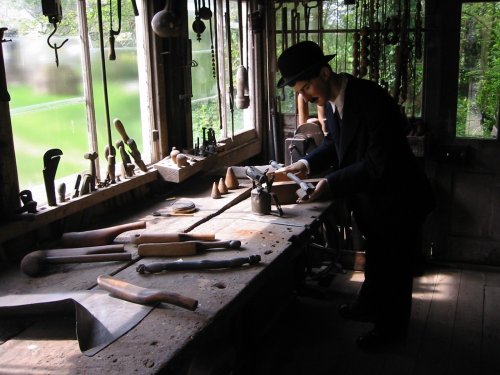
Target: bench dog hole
{"type": "Point", "coordinates": [219, 285]}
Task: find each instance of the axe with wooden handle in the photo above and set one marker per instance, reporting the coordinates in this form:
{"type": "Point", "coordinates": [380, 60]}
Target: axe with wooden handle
{"type": "Point", "coordinates": [96, 237]}
{"type": "Point", "coordinates": [34, 263]}
{"type": "Point", "coordinates": [144, 296]}
{"type": "Point", "coordinates": [183, 248]}
{"type": "Point", "coordinates": [141, 238]}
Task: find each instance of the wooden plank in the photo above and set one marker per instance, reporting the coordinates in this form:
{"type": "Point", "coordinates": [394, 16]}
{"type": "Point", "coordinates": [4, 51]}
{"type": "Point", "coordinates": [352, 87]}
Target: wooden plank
{"type": "Point", "coordinates": [433, 356]}
{"type": "Point", "coordinates": [404, 359]}
{"type": "Point", "coordinates": [465, 353]}
{"type": "Point", "coordinates": [491, 325]}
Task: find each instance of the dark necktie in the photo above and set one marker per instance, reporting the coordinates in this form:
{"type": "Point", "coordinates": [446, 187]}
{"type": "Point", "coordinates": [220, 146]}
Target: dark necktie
{"type": "Point", "coordinates": [337, 124]}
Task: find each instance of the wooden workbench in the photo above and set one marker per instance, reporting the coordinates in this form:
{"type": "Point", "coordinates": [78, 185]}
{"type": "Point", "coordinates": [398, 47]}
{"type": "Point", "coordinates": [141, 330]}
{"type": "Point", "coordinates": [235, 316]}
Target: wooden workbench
{"type": "Point", "coordinates": [234, 304]}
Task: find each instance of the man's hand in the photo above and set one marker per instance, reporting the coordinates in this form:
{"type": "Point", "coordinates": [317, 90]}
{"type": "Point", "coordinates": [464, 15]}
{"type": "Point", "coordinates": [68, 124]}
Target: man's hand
{"type": "Point", "coordinates": [298, 168]}
{"type": "Point", "coordinates": [321, 189]}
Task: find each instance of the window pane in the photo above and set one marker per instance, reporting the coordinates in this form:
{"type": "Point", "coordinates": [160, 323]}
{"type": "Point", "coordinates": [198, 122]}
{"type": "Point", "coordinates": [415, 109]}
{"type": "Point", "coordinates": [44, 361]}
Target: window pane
{"type": "Point", "coordinates": [205, 100]}
{"type": "Point", "coordinates": [121, 73]}
{"type": "Point", "coordinates": [479, 71]}
{"type": "Point", "coordinates": [47, 104]}
{"type": "Point", "coordinates": [48, 107]}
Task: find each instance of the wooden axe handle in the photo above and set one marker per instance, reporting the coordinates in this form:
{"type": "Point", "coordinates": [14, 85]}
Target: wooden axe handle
{"type": "Point", "coordinates": [92, 258]}
{"type": "Point", "coordinates": [171, 237]}
{"type": "Point", "coordinates": [166, 249]}
{"type": "Point", "coordinates": [136, 294]}
{"type": "Point", "coordinates": [34, 263]}
{"type": "Point", "coordinates": [103, 236]}
{"type": "Point", "coordinates": [105, 249]}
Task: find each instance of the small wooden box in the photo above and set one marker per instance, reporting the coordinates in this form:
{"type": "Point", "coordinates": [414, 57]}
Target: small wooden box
{"type": "Point", "coordinates": [169, 171]}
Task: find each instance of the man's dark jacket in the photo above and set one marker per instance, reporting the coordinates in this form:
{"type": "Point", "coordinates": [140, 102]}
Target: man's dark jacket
{"type": "Point", "coordinates": [375, 169]}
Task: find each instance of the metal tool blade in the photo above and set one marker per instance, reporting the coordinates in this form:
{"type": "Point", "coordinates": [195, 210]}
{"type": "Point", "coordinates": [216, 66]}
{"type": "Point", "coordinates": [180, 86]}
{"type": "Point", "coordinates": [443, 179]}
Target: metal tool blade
{"type": "Point", "coordinates": [100, 318]}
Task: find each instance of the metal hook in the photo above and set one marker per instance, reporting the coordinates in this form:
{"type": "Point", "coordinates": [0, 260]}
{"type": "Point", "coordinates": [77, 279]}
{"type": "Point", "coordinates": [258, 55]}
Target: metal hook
{"type": "Point", "coordinates": [55, 47]}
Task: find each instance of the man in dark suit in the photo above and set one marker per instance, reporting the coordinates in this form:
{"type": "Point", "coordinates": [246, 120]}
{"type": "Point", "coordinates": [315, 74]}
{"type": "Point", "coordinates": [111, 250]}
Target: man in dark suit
{"type": "Point", "coordinates": [375, 173]}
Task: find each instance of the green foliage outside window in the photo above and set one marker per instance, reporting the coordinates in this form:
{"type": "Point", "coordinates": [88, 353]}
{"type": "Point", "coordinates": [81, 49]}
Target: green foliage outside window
{"type": "Point", "coordinates": [479, 71]}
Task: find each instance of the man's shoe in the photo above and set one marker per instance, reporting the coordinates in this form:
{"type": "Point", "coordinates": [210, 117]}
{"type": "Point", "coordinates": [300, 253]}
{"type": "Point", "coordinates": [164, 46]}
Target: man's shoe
{"type": "Point", "coordinates": [376, 341]}
{"type": "Point", "coordinates": [353, 311]}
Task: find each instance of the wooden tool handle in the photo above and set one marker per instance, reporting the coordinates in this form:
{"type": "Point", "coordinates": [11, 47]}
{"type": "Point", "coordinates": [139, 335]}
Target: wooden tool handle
{"type": "Point", "coordinates": [105, 249]}
{"type": "Point", "coordinates": [112, 53]}
{"type": "Point", "coordinates": [232, 244]}
{"type": "Point", "coordinates": [92, 258]}
{"type": "Point", "coordinates": [136, 294]}
{"type": "Point", "coordinates": [121, 129]}
{"type": "Point", "coordinates": [171, 237]}
{"type": "Point", "coordinates": [183, 248]}
{"type": "Point", "coordinates": [103, 236]}
{"type": "Point", "coordinates": [166, 249]}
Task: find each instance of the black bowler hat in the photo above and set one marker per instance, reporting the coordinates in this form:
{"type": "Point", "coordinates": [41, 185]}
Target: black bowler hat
{"type": "Point", "coordinates": [300, 59]}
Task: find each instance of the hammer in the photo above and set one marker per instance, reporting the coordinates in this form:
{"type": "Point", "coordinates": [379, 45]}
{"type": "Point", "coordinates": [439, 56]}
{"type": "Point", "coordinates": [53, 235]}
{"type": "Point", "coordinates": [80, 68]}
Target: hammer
{"type": "Point", "coordinates": [34, 263]}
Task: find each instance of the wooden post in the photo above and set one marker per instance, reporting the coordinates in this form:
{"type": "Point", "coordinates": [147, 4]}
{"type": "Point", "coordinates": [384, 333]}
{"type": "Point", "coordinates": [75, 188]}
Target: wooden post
{"type": "Point", "coordinates": [9, 185]}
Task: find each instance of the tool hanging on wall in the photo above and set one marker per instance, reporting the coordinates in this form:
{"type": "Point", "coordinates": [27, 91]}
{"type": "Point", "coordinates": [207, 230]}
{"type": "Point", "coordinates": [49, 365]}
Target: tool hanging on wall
{"type": "Point", "coordinates": [165, 23]}
{"type": "Point", "coordinates": [375, 43]}
{"type": "Point", "coordinates": [216, 67]}
{"type": "Point", "coordinates": [356, 44]}
{"type": "Point", "coordinates": [307, 15]}
{"type": "Point", "coordinates": [212, 51]}
{"type": "Point", "coordinates": [113, 33]}
{"type": "Point", "coordinates": [204, 11]}
{"type": "Point", "coordinates": [242, 98]}
{"type": "Point", "coordinates": [52, 9]}
{"type": "Point", "coordinates": [230, 63]}
{"type": "Point", "coordinates": [295, 22]}
{"type": "Point", "coordinates": [418, 30]}
{"type": "Point", "coordinates": [365, 40]}
{"type": "Point", "coordinates": [284, 27]}
{"type": "Point", "coordinates": [111, 149]}
{"type": "Point", "coordinates": [198, 25]}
